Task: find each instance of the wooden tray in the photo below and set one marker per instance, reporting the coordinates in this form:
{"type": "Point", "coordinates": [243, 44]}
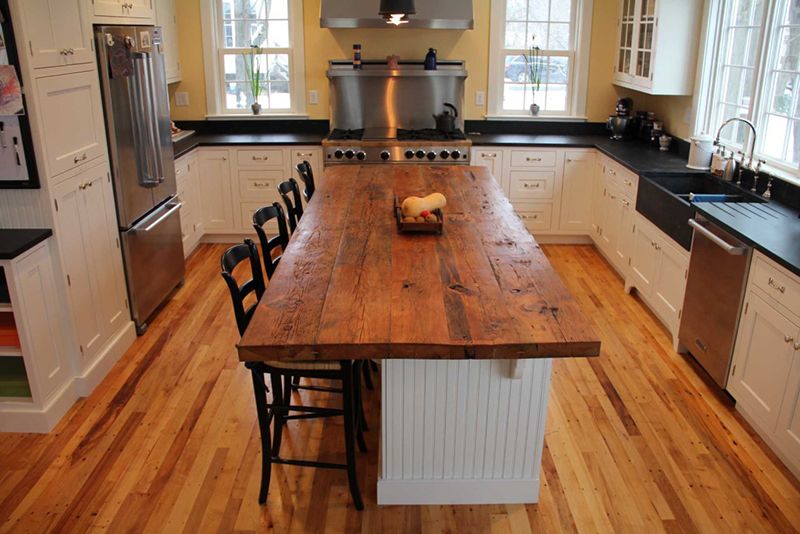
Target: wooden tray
{"type": "Point", "coordinates": [418, 227]}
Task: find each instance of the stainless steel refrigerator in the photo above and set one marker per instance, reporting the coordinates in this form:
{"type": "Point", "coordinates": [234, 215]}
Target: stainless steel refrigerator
{"type": "Point", "coordinates": [136, 104]}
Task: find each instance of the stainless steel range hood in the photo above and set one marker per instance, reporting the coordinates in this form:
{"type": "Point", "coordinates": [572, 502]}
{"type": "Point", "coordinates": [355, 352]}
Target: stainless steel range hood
{"type": "Point", "coordinates": [432, 14]}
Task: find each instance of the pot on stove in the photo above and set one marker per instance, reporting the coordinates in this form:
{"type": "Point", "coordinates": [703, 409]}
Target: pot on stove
{"type": "Point", "coordinates": [446, 122]}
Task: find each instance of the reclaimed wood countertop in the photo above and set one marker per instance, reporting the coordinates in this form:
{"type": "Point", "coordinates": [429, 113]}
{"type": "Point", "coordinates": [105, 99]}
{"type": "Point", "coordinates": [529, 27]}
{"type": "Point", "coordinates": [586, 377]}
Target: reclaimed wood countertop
{"type": "Point", "coordinates": [349, 286]}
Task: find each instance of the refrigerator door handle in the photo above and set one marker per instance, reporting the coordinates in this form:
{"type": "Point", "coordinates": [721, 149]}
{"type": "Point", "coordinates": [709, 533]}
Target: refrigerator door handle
{"type": "Point", "coordinates": [143, 121]}
{"type": "Point", "coordinates": [172, 209]}
{"type": "Point", "coordinates": [153, 120]}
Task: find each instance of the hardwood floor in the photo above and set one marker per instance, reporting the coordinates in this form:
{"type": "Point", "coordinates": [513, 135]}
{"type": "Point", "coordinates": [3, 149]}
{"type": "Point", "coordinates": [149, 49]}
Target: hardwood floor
{"type": "Point", "coordinates": [635, 440]}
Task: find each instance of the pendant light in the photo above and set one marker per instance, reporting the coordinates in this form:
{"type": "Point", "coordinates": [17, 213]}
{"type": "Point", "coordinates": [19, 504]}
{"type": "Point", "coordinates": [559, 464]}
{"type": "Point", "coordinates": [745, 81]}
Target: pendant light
{"type": "Point", "coordinates": [396, 11]}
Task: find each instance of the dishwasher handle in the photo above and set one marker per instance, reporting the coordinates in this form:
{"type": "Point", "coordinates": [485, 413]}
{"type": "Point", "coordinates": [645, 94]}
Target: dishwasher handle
{"type": "Point", "coordinates": [721, 243]}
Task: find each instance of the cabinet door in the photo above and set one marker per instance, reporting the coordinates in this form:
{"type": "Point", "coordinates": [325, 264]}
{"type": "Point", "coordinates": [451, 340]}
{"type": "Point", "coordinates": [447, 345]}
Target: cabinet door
{"type": "Point", "coordinates": [215, 190]}
{"type": "Point", "coordinates": [57, 33]}
{"type": "Point", "coordinates": [598, 185]}
{"type": "Point", "coordinates": [670, 283]}
{"type": "Point", "coordinates": [577, 188]}
{"type": "Point", "coordinates": [72, 116]}
{"type": "Point", "coordinates": [87, 234]}
{"type": "Point", "coordinates": [762, 361]}
{"type": "Point", "coordinates": [644, 260]}
{"type": "Point", "coordinates": [492, 159]}
{"type": "Point", "coordinates": [788, 432]}
{"type": "Point", "coordinates": [645, 37]}
{"type": "Point", "coordinates": [627, 26]}
{"type": "Point", "coordinates": [165, 17]}
{"type": "Point", "coordinates": [606, 217]}
{"type": "Point", "coordinates": [622, 243]}
{"type": "Point", "coordinates": [124, 9]}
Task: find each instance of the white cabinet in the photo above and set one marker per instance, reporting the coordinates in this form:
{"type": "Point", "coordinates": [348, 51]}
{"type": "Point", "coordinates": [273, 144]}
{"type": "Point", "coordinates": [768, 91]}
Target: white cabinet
{"type": "Point", "coordinates": [166, 18]}
{"type": "Point", "coordinates": [216, 190]}
{"type": "Point", "coordinates": [657, 45]}
{"type": "Point", "coordinates": [123, 11]}
{"type": "Point", "coordinates": [615, 217]}
{"type": "Point", "coordinates": [765, 371]}
{"type": "Point", "coordinates": [74, 131]}
{"type": "Point", "coordinates": [492, 159]}
{"type": "Point", "coordinates": [57, 32]}
{"type": "Point", "coordinates": [187, 178]}
{"type": "Point", "coordinates": [86, 227]}
{"type": "Point", "coordinates": [657, 269]}
{"type": "Point", "coordinates": [577, 186]}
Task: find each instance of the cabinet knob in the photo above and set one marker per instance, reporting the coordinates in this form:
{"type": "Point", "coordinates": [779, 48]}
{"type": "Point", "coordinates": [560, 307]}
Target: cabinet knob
{"type": "Point", "coordinates": [625, 202]}
{"type": "Point", "coordinates": [788, 339]}
{"type": "Point", "coordinates": [627, 182]}
{"type": "Point", "coordinates": [796, 346]}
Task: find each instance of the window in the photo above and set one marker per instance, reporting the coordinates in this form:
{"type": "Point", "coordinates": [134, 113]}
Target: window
{"type": "Point", "coordinates": [555, 27]}
{"type": "Point", "coordinates": [267, 33]}
{"type": "Point", "coordinates": [753, 72]}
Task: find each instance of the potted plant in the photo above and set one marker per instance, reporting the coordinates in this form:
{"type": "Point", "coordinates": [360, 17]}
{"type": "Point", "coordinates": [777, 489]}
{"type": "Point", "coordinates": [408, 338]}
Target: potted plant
{"type": "Point", "coordinates": [533, 62]}
{"type": "Point", "coordinates": [254, 76]}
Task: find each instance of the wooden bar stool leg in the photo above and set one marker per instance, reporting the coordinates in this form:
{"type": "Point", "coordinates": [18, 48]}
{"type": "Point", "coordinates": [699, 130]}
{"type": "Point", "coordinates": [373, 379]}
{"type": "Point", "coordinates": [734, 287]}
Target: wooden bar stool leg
{"type": "Point", "coordinates": [357, 407]}
{"type": "Point", "coordinates": [348, 404]}
{"type": "Point", "coordinates": [367, 377]}
{"type": "Point", "coordinates": [278, 416]}
{"type": "Point", "coordinates": [260, 391]}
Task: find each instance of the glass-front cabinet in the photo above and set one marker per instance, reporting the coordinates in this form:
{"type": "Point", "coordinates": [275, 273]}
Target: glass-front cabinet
{"type": "Point", "coordinates": [657, 45]}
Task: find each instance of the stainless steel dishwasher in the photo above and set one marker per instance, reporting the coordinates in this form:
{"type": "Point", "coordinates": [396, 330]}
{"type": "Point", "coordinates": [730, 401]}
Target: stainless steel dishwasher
{"type": "Point", "coordinates": [718, 270]}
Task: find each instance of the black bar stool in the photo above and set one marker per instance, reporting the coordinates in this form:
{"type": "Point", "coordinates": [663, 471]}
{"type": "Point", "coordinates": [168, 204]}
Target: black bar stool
{"type": "Point", "coordinates": [294, 205]}
{"type": "Point", "coordinates": [270, 244]}
{"type": "Point", "coordinates": [279, 411]}
{"type": "Point", "coordinates": [307, 175]}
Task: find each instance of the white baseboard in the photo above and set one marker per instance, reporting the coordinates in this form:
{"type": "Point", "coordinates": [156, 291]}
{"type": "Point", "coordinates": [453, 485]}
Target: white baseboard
{"type": "Point", "coordinates": [94, 373]}
{"type": "Point", "coordinates": [458, 491]}
{"type": "Point", "coordinates": [26, 417]}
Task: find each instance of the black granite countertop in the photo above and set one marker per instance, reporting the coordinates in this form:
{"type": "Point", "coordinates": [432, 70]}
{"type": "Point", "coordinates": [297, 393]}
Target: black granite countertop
{"type": "Point", "coordinates": [770, 228]}
{"type": "Point", "coordinates": [189, 143]}
{"type": "Point", "coordinates": [637, 156]}
{"type": "Point", "coordinates": [15, 241]}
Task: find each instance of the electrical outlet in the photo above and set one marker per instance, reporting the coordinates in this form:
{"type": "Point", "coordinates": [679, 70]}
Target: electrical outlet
{"type": "Point", "coordinates": [687, 115]}
{"type": "Point", "coordinates": [313, 97]}
{"type": "Point", "coordinates": [480, 98]}
{"type": "Point", "coordinates": [181, 98]}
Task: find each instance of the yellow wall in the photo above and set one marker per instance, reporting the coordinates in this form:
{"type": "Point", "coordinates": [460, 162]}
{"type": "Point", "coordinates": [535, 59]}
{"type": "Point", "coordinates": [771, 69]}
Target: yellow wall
{"type": "Point", "coordinates": [472, 45]}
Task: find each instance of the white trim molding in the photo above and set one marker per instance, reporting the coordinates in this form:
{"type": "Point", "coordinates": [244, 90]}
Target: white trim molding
{"type": "Point", "coordinates": [209, 17]}
{"type": "Point", "coordinates": [578, 83]}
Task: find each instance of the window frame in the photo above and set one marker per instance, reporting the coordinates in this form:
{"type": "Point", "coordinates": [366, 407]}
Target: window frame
{"type": "Point", "coordinates": [213, 54]}
{"type": "Point", "coordinates": [710, 69]}
{"type": "Point", "coordinates": [577, 85]}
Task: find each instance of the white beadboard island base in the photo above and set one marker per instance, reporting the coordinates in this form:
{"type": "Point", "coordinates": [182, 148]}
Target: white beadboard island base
{"type": "Point", "coordinates": [462, 431]}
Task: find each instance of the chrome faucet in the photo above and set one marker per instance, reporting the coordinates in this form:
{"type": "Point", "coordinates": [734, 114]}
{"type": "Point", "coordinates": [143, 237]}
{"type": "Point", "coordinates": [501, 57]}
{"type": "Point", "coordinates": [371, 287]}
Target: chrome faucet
{"type": "Point", "coordinates": [752, 143]}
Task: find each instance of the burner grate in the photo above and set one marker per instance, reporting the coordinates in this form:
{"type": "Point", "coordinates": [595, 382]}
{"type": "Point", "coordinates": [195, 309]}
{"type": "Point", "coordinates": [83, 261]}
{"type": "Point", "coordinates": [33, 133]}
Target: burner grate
{"type": "Point", "coordinates": [339, 134]}
{"type": "Point", "coordinates": [429, 134]}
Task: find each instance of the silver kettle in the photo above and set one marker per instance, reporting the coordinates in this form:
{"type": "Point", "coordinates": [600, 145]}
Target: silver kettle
{"type": "Point", "coordinates": [445, 122]}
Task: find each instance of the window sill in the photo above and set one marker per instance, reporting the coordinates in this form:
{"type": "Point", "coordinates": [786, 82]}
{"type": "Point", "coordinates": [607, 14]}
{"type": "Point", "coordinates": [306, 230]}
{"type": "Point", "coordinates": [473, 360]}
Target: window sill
{"type": "Point", "coordinates": [538, 118]}
{"type": "Point", "coordinates": [262, 117]}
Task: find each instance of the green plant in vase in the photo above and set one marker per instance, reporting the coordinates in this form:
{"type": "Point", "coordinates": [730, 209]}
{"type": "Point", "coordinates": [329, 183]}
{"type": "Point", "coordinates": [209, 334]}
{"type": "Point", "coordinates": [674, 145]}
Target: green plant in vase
{"type": "Point", "coordinates": [533, 62]}
{"type": "Point", "coordinates": [254, 76]}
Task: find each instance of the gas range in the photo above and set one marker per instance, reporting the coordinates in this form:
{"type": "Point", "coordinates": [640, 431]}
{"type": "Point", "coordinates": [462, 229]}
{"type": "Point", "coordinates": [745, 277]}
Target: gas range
{"type": "Point", "coordinates": [396, 146]}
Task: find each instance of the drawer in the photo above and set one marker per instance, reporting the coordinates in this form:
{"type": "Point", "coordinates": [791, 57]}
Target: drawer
{"type": "Point", "coordinates": [626, 181]}
{"type": "Point", "coordinates": [259, 158]}
{"type": "Point", "coordinates": [533, 158]}
{"type": "Point", "coordinates": [778, 283]}
{"type": "Point", "coordinates": [532, 184]}
{"type": "Point", "coordinates": [536, 216]}
{"type": "Point", "coordinates": [181, 170]}
{"type": "Point", "coordinates": [260, 185]}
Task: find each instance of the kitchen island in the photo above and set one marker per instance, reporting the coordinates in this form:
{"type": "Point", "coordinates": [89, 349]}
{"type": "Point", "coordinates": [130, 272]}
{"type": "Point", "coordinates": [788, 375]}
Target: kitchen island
{"type": "Point", "coordinates": [466, 324]}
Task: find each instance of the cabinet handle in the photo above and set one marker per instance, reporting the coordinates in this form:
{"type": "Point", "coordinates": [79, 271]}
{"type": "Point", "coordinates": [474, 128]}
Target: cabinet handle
{"type": "Point", "coordinates": [658, 247]}
{"type": "Point", "coordinates": [627, 182]}
{"type": "Point", "coordinates": [612, 196]}
{"type": "Point", "coordinates": [77, 159]}
{"type": "Point", "coordinates": [796, 346]}
{"type": "Point", "coordinates": [70, 51]}
{"type": "Point", "coordinates": [788, 339]}
{"type": "Point", "coordinates": [63, 51]}
{"type": "Point", "coordinates": [224, 158]}
{"type": "Point", "coordinates": [533, 159]}
{"type": "Point", "coordinates": [774, 285]}
{"type": "Point", "coordinates": [488, 155]}
{"type": "Point", "coordinates": [530, 216]}
{"type": "Point", "coordinates": [260, 158]}
{"type": "Point", "coordinates": [534, 186]}
{"type": "Point", "coordinates": [612, 172]}
{"type": "Point", "coordinates": [625, 202]}
{"type": "Point", "coordinates": [304, 155]}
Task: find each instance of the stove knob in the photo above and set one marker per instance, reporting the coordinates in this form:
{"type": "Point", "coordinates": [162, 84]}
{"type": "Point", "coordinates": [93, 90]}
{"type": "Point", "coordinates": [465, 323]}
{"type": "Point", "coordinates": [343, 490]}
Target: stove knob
{"type": "Point", "coordinates": [385, 155]}
{"type": "Point", "coordinates": [431, 155]}
{"type": "Point", "coordinates": [409, 154]}
{"type": "Point", "coordinates": [349, 154]}
{"type": "Point", "coordinates": [420, 154]}
{"type": "Point", "coordinates": [444, 154]}
{"type": "Point", "coordinates": [338, 154]}
{"type": "Point", "coordinates": [361, 155]}
{"type": "Point", "coordinates": [455, 154]}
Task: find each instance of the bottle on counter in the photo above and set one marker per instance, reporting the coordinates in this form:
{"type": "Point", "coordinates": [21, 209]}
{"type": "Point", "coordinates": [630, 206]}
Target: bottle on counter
{"type": "Point", "coordinates": [430, 59]}
{"type": "Point", "coordinates": [357, 56]}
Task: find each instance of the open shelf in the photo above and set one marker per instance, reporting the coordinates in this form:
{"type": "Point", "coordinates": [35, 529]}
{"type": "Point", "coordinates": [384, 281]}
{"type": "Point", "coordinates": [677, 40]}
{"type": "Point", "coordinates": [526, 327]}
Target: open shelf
{"type": "Point", "coordinates": [9, 337]}
{"type": "Point", "coordinates": [13, 379]}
